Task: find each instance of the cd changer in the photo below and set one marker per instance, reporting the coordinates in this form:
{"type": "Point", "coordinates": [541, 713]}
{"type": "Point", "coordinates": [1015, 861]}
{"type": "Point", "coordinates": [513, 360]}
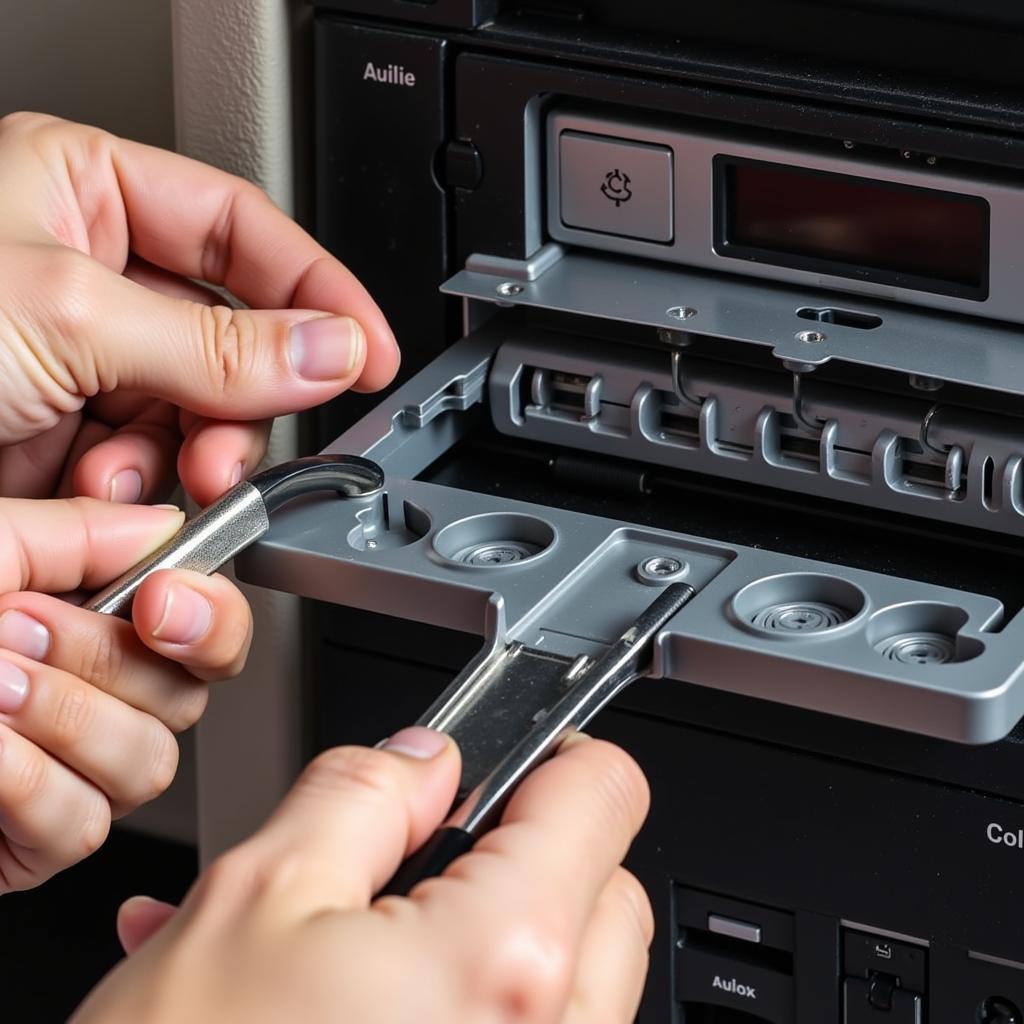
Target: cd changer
{"type": "Point", "coordinates": [776, 427]}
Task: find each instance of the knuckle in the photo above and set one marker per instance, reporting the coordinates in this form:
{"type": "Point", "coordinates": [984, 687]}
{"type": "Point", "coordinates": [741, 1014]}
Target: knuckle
{"type": "Point", "coordinates": [95, 826]}
{"type": "Point", "coordinates": [531, 971]}
{"type": "Point", "coordinates": [70, 274]}
{"type": "Point", "coordinates": [23, 120]}
{"type": "Point", "coordinates": [356, 773]}
{"type": "Point", "coordinates": [635, 904]}
{"type": "Point", "coordinates": [163, 764]}
{"type": "Point", "coordinates": [29, 779]}
{"type": "Point", "coordinates": [188, 708]}
{"type": "Point", "coordinates": [231, 881]}
{"type": "Point", "coordinates": [73, 716]}
{"type": "Point", "coordinates": [103, 661]}
{"type": "Point", "coordinates": [229, 344]}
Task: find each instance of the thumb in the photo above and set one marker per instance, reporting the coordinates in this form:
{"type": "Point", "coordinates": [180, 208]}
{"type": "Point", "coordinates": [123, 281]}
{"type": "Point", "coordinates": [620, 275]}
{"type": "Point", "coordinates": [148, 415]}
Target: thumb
{"type": "Point", "coordinates": [216, 361]}
{"type": "Point", "coordinates": [138, 918]}
{"type": "Point", "coordinates": [58, 546]}
{"type": "Point", "coordinates": [352, 816]}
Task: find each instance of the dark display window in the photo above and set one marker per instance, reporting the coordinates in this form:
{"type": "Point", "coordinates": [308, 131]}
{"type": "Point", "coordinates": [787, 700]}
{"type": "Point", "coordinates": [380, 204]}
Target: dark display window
{"type": "Point", "coordinates": [847, 226]}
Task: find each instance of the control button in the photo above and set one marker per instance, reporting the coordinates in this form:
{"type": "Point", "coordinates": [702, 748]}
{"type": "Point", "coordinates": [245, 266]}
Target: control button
{"type": "Point", "coordinates": [757, 992]}
{"type": "Point", "coordinates": [997, 1010]}
{"type": "Point", "coordinates": [734, 929]}
{"type": "Point", "coordinates": [865, 955]}
{"type": "Point", "coordinates": [899, 1006]}
{"type": "Point", "coordinates": [616, 187]}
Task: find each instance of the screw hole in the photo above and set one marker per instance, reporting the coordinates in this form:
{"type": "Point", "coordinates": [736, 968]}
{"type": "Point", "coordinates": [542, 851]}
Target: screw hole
{"type": "Point", "coordinates": [681, 312]}
{"type": "Point", "coordinates": [811, 337]}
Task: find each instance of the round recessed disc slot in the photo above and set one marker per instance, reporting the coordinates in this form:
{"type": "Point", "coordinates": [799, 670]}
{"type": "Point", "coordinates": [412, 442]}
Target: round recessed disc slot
{"type": "Point", "coordinates": [494, 540]}
{"type": "Point", "coordinates": [922, 633]}
{"type": "Point", "coordinates": [798, 605]}
{"type": "Point", "coordinates": [919, 648]}
{"type": "Point", "coordinates": [502, 553]}
{"type": "Point", "coordinates": [801, 617]}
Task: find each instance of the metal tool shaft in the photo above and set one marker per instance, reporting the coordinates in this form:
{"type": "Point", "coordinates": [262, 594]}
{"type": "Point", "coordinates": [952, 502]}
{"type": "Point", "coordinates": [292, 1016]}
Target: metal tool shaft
{"type": "Point", "coordinates": [238, 518]}
{"type": "Point", "coordinates": [203, 544]}
{"type": "Point", "coordinates": [623, 662]}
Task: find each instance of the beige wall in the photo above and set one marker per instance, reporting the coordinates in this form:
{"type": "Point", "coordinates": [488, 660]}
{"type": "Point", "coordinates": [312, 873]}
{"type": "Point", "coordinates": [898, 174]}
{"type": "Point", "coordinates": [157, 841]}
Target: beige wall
{"type": "Point", "coordinates": [104, 62]}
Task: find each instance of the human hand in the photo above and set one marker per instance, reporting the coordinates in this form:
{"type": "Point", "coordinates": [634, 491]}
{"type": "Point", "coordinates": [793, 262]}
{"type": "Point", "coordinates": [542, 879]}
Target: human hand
{"type": "Point", "coordinates": [113, 365]}
{"type": "Point", "coordinates": [89, 704]}
{"type": "Point", "coordinates": [536, 924]}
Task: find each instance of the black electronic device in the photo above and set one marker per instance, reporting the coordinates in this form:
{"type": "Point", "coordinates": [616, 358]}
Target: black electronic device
{"type": "Point", "coordinates": [749, 273]}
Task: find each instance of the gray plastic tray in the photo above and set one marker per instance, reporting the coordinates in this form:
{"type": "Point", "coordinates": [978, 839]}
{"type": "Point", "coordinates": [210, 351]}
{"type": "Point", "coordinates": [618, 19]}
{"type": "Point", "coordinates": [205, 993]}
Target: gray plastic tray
{"type": "Point", "coordinates": [866, 646]}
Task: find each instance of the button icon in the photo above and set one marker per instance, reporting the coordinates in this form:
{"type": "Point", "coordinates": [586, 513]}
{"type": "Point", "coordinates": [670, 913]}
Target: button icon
{"type": "Point", "coordinates": [616, 187]}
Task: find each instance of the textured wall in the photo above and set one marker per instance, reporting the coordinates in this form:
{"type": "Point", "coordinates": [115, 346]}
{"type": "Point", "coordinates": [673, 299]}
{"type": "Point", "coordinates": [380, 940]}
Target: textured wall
{"type": "Point", "coordinates": [105, 62]}
{"type": "Point", "coordinates": [235, 65]}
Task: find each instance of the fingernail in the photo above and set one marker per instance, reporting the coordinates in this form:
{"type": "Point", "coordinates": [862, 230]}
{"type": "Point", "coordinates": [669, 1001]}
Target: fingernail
{"type": "Point", "coordinates": [126, 486]}
{"type": "Point", "coordinates": [186, 618]}
{"type": "Point", "coordinates": [416, 741]}
{"type": "Point", "coordinates": [236, 474]}
{"type": "Point", "coordinates": [168, 508]}
{"type": "Point", "coordinates": [327, 348]}
{"type": "Point", "coordinates": [24, 635]}
{"type": "Point", "coordinates": [13, 687]}
{"type": "Point", "coordinates": [573, 739]}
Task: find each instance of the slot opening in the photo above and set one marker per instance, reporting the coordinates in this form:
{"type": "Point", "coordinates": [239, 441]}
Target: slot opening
{"type": "Point", "coordinates": [988, 473]}
{"type": "Point", "coordinates": [572, 396]}
{"type": "Point", "coordinates": [840, 317]}
{"type": "Point", "coordinates": [704, 1013]}
{"type": "Point", "coordinates": [737, 950]}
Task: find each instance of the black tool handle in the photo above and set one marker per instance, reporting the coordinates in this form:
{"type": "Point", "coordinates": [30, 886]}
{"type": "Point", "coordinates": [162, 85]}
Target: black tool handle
{"type": "Point", "coordinates": [444, 846]}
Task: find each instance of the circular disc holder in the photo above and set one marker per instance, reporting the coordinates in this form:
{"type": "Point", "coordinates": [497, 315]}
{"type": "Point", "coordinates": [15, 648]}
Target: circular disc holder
{"type": "Point", "coordinates": [815, 635]}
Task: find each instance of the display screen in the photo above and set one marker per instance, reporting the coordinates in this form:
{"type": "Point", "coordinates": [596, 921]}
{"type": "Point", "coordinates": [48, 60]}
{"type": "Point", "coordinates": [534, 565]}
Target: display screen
{"type": "Point", "coordinates": [843, 225]}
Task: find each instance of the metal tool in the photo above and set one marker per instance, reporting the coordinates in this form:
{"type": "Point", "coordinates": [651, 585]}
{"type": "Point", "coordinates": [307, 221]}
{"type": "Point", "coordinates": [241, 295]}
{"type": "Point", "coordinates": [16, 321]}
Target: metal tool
{"type": "Point", "coordinates": [548, 696]}
{"type": "Point", "coordinates": [241, 516]}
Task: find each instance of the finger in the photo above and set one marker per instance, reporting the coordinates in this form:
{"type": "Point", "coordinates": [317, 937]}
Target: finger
{"type": "Point", "coordinates": [157, 279]}
{"type": "Point", "coordinates": [139, 918]}
{"type": "Point", "coordinates": [33, 468]}
{"type": "Point", "coordinates": [61, 545]}
{"type": "Point", "coordinates": [135, 463]}
{"type": "Point", "coordinates": [191, 220]}
{"type": "Point", "coordinates": [201, 622]}
{"type": "Point", "coordinates": [76, 723]}
{"type": "Point", "coordinates": [614, 955]}
{"type": "Point", "coordinates": [202, 223]}
{"type": "Point", "coordinates": [106, 652]}
{"type": "Point", "coordinates": [540, 872]}
{"type": "Point", "coordinates": [216, 455]}
{"type": "Point", "coordinates": [103, 330]}
{"type": "Point", "coordinates": [49, 816]}
{"type": "Point", "coordinates": [350, 819]}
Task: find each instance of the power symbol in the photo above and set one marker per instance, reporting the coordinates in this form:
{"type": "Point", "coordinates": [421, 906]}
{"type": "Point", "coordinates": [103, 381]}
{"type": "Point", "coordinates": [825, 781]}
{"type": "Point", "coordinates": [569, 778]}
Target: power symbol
{"type": "Point", "coordinates": [616, 187]}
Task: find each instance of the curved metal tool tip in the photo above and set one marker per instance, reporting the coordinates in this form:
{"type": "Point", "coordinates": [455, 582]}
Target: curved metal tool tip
{"type": "Point", "coordinates": [350, 475]}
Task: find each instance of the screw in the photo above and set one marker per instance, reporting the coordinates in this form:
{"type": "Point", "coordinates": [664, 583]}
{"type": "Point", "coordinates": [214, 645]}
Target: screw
{"type": "Point", "coordinates": [920, 383]}
{"type": "Point", "coordinates": [811, 337]}
{"type": "Point", "coordinates": [508, 288]}
{"type": "Point", "coordinates": [907, 154]}
{"type": "Point", "coordinates": [680, 312]}
{"type": "Point", "coordinates": [661, 569]}
{"type": "Point", "coordinates": [931, 161]}
{"type": "Point", "coordinates": [662, 566]}
{"type": "Point", "coordinates": [849, 144]}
